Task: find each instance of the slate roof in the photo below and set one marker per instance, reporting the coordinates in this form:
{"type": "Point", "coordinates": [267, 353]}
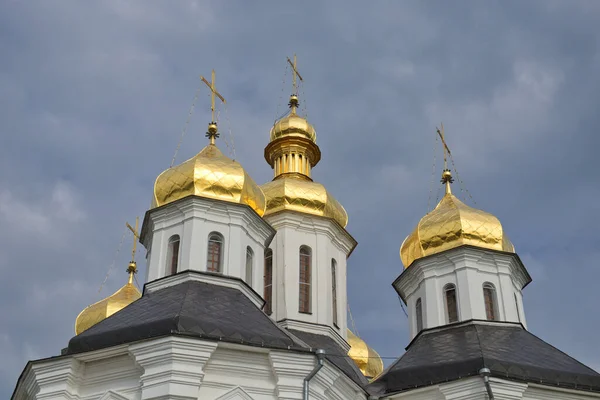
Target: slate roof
{"type": "Point", "coordinates": [190, 308]}
{"type": "Point", "coordinates": [333, 353]}
{"type": "Point", "coordinates": [461, 350]}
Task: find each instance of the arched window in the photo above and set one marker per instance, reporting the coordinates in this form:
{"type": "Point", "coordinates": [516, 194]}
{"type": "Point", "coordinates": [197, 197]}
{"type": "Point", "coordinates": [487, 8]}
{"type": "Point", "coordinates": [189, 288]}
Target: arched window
{"type": "Point", "coordinates": [334, 291]}
{"type": "Point", "coordinates": [517, 305]}
{"type": "Point", "coordinates": [173, 255]}
{"type": "Point", "coordinates": [268, 281]}
{"type": "Point", "coordinates": [489, 298]}
{"type": "Point", "coordinates": [214, 258]}
{"type": "Point", "coordinates": [451, 305]}
{"type": "Point", "coordinates": [249, 262]}
{"type": "Point", "coordinates": [305, 278]}
{"type": "Point", "coordinates": [419, 314]}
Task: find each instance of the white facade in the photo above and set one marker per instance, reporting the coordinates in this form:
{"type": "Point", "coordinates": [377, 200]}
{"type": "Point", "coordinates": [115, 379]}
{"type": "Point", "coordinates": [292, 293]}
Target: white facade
{"type": "Point", "coordinates": [330, 245]}
{"type": "Point", "coordinates": [192, 220]}
{"type": "Point", "coordinates": [468, 269]}
{"type": "Point", "coordinates": [176, 368]}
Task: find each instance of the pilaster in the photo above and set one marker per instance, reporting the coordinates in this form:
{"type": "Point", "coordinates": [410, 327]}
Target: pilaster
{"type": "Point", "coordinates": [57, 379]}
{"type": "Point", "coordinates": [173, 367]}
{"type": "Point", "coordinates": [289, 370]}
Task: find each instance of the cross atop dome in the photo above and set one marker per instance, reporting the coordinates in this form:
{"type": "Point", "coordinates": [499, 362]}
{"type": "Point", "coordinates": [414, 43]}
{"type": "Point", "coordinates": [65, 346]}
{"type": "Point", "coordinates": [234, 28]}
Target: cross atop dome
{"type": "Point", "coordinates": [212, 132]}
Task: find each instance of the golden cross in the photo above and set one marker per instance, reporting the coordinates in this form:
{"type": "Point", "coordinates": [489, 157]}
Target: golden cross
{"type": "Point", "coordinates": [446, 149]}
{"type": "Point", "coordinates": [213, 93]}
{"type": "Point", "coordinates": [136, 236]}
{"type": "Point", "coordinates": [295, 73]}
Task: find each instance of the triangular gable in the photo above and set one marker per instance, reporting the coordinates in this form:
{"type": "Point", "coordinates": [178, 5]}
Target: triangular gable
{"type": "Point", "coordinates": [110, 395]}
{"type": "Point", "coordinates": [235, 394]}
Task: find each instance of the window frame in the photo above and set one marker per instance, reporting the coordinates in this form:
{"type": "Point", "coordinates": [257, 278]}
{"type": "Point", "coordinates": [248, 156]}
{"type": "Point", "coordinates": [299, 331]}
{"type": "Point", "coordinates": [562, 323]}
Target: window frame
{"type": "Point", "coordinates": [215, 237]}
{"type": "Point", "coordinates": [490, 304]}
{"type": "Point", "coordinates": [173, 249]}
{"type": "Point", "coordinates": [419, 314]}
{"type": "Point", "coordinates": [305, 280]}
{"type": "Point", "coordinates": [249, 265]}
{"type": "Point", "coordinates": [450, 287]}
{"type": "Point", "coordinates": [334, 302]}
{"type": "Point", "coordinates": [268, 282]}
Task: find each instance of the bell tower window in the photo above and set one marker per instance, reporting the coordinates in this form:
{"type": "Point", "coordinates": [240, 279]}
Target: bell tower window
{"type": "Point", "coordinates": [419, 315]}
{"type": "Point", "coordinates": [489, 297]}
{"type": "Point", "coordinates": [451, 305]}
{"type": "Point", "coordinates": [214, 259]}
{"type": "Point", "coordinates": [305, 280]}
{"type": "Point", "coordinates": [268, 277]}
{"type": "Point", "coordinates": [334, 292]}
{"type": "Point", "coordinates": [173, 255]}
{"type": "Point", "coordinates": [249, 262]}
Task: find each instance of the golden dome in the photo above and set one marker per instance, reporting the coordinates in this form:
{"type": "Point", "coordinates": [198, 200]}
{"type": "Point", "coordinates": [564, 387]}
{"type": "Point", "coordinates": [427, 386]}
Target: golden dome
{"type": "Point", "coordinates": [452, 224]}
{"type": "Point", "coordinates": [293, 125]}
{"type": "Point", "coordinates": [368, 360]}
{"type": "Point", "coordinates": [103, 309]}
{"type": "Point", "coordinates": [303, 196]}
{"type": "Point", "coordinates": [292, 153]}
{"type": "Point", "coordinates": [209, 174]}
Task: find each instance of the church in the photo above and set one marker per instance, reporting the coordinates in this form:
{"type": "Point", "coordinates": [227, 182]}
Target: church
{"type": "Point", "coordinates": [245, 297]}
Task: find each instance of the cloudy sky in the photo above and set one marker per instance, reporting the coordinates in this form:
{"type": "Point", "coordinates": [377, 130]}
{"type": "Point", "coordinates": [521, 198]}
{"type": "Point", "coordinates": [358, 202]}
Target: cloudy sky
{"type": "Point", "coordinates": [94, 96]}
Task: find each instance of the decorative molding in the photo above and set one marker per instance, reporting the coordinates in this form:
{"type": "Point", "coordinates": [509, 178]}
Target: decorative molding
{"type": "Point", "coordinates": [200, 208]}
{"type": "Point", "coordinates": [111, 395]}
{"type": "Point", "coordinates": [206, 277]}
{"type": "Point", "coordinates": [314, 224]}
{"type": "Point", "coordinates": [235, 394]}
{"type": "Point", "coordinates": [173, 366]}
{"type": "Point", "coordinates": [314, 328]}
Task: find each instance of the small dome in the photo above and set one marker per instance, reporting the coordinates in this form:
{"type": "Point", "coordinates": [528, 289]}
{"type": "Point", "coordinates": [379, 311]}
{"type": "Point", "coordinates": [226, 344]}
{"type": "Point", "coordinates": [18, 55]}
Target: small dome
{"type": "Point", "coordinates": [303, 196]}
{"type": "Point", "coordinates": [293, 125]}
{"type": "Point", "coordinates": [368, 360]}
{"type": "Point", "coordinates": [212, 175]}
{"type": "Point", "coordinates": [103, 309]}
{"type": "Point", "coordinates": [452, 224]}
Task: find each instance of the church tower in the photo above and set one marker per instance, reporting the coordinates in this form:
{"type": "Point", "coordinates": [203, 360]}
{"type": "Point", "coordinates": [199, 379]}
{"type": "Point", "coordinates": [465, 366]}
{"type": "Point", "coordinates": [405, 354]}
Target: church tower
{"type": "Point", "coordinates": [460, 265]}
{"type": "Point", "coordinates": [305, 276]}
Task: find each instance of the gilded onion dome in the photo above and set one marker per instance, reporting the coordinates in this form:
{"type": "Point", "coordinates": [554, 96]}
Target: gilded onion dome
{"type": "Point", "coordinates": [452, 224]}
{"type": "Point", "coordinates": [103, 309]}
{"type": "Point", "coordinates": [209, 174]}
{"type": "Point", "coordinates": [365, 357]}
{"type": "Point", "coordinates": [292, 153]}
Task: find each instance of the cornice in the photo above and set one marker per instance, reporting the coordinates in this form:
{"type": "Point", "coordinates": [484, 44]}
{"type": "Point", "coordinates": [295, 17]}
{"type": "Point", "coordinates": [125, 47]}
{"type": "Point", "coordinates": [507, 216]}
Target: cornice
{"type": "Point", "coordinates": [205, 277]}
{"type": "Point", "coordinates": [314, 328]}
{"type": "Point", "coordinates": [202, 208]}
{"type": "Point", "coordinates": [314, 224]}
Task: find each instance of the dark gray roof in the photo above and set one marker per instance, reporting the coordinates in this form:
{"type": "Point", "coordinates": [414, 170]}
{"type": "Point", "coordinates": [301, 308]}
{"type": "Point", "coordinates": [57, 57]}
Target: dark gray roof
{"type": "Point", "coordinates": [333, 353]}
{"type": "Point", "coordinates": [461, 350]}
{"type": "Point", "coordinates": [189, 308]}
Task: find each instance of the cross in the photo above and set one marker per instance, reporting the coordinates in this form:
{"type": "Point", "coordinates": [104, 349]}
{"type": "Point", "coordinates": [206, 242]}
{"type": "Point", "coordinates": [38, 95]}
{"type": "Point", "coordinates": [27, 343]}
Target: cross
{"type": "Point", "coordinates": [295, 73]}
{"type": "Point", "coordinates": [446, 175]}
{"type": "Point", "coordinates": [136, 236]}
{"type": "Point", "coordinates": [132, 269]}
{"type": "Point", "coordinates": [213, 93]}
{"type": "Point", "coordinates": [446, 149]}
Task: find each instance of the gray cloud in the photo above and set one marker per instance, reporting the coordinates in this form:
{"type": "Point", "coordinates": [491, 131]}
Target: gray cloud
{"type": "Point", "coordinates": [93, 98]}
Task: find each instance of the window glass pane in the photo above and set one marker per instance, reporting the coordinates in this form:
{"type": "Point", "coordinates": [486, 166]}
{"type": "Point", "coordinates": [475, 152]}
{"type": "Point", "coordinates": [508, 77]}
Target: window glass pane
{"type": "Point", "coordinates": [304, 281]}
{"type": "Point", "coordinates": [268, 294]}
{"type": "Point", "coordinates": [451, 304]}
{"type": "Point", "coordinates": [214, 254]}
{"type": "Point", "coordinates": [419, 314]}
{"type": "Point", "coordinates": [489, 299]}
{"type": "Point", "coordinates": [334, 291]}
